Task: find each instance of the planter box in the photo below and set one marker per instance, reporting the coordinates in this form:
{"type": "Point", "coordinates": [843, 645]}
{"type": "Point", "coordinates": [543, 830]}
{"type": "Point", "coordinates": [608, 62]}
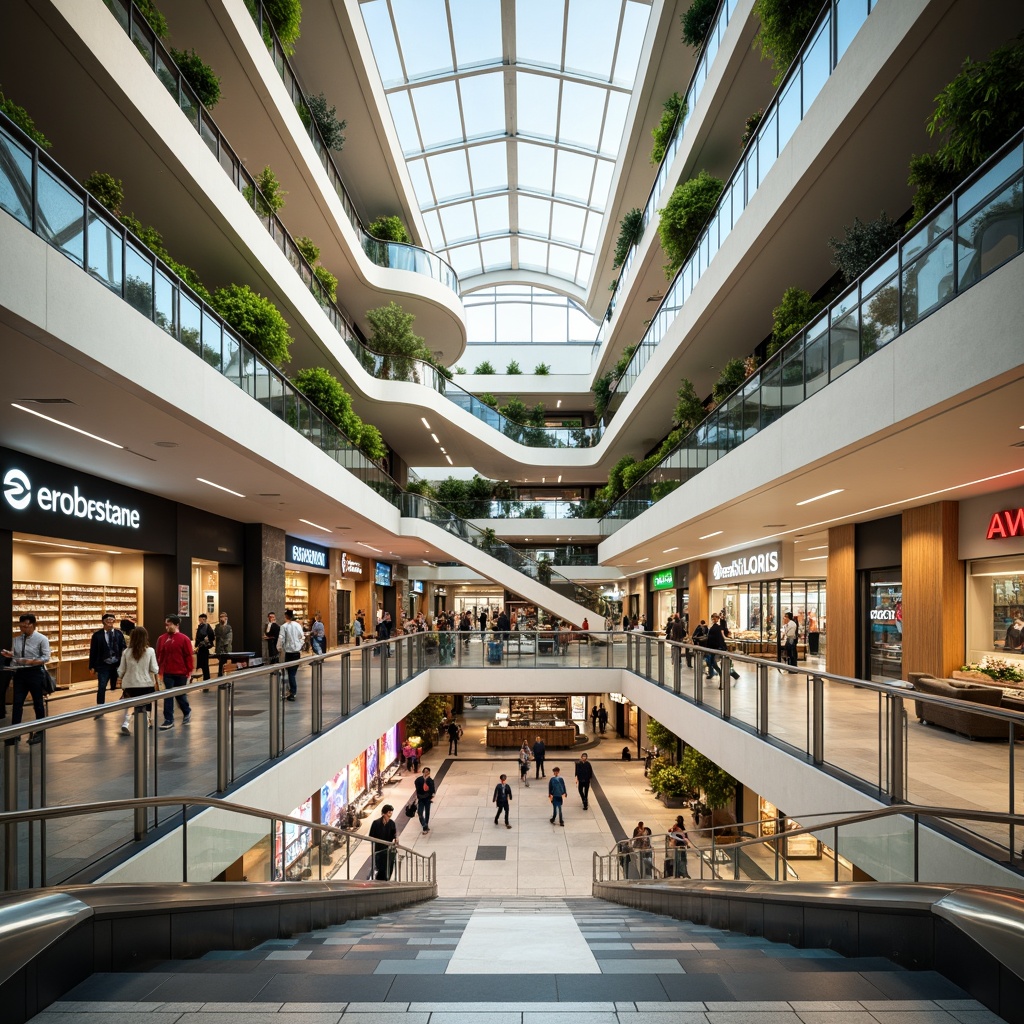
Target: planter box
{"type": "Point", "coordinates": [673, 801]}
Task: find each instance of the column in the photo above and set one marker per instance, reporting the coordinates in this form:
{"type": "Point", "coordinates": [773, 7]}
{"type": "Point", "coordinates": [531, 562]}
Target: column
{"type": "Point", "coordinates": [841, 602]}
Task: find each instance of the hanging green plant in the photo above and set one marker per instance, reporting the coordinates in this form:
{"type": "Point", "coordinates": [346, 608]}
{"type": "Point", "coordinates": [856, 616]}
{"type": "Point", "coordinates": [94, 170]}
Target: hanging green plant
{"type": "Point", "coordinates": [106, 190]}
{"type": "Point", "coordinates": [631, 230]}
{"type": "Point", "coordinates": [784, 27]}
{"type": "Point", "coordinates": [256, 319]}
{"type": "Point", "coordinates": [691, 204]}
{"type": "Point", "coordinates": [750, 127]}
{"type": "Point", "coordinates": [796, 310]}
{"type": "Point", "coordinates": [20, 116]}
{"type": "Point", "coordinates": [199, 75]}
{"type": "Point", "coordinates": [696, 21]}
{"type": "Point", "coordinates": [154, 16]}
{"type": "Point", "coordinates": [689, 411]}
{"type": "Point", "coordinates": [673, 109]}
{"type": "Point", "coordinates": [268, 196]}
{"type": "Point", "coordinates": [286, 17]}
{"type": "Point", "coordinates": [389, 229]}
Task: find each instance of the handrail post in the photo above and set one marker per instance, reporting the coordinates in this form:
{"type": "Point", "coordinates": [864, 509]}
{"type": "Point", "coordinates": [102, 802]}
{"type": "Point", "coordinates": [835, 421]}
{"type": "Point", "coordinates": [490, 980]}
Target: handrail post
{"type": "Point", "coordinates": [274, 709]}
{"type": "Point", "coordinates": [629, 654]}
{"type": "Point", "coordinates": [698, 675]}
{"type": "Point", "coordinates": [897, 776]}
{"type": "Point", "coordinates": [346, 685]}
{"type": "Point", "coordinates": [762, 700]}
{"type": "Point", "coordinates": [817, 719]}
{"type": "Point", "coordinates": [10, 804]}
{"type": "Point", "coordinates": [647, 657]}
{"type": "Point", "coordinates": [725, 682]}
{"type": "Point", "coordinates": [677, 669]}
{"type": "Point", "coordinates": [661, 663]}
{"type": "Point", "coordinates": [367, 664]}
{"type": "Point", "coordinates": [223, 737]}
{"type": "Point", "coordinates": [140, 765]}
{"type": "Point", "coordinates": [317, 697]}
{"type": "Point", "coordinates": [385, 657]}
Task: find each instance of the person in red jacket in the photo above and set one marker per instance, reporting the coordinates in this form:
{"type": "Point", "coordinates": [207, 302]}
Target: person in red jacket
{"type": "Point", "coordinates": [174, 657]}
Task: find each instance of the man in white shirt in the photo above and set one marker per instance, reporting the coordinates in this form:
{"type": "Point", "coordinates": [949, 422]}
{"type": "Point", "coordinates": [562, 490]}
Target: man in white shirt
{"type": "Point", "coordinates": [289, 643]}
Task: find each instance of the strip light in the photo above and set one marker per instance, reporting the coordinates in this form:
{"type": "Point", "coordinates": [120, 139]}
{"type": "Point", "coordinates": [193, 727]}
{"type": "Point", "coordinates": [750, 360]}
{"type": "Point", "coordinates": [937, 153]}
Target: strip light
{"type": "Point", "coordinates": [68, 426]}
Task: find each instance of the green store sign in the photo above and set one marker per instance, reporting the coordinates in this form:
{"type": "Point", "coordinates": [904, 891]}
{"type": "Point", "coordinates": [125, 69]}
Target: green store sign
{"type": "Point", "coordinates": [664, 580]}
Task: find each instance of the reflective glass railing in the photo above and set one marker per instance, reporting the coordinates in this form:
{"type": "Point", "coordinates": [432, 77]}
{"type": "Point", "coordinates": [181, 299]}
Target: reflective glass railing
{"type": "Point", "coordinates": [37, 192]}
{"type": "Point", "coordinates": [968, 235]}
{"type": "Point", "coordinates": [535, 508]}
{"type": "Point", "coordinates": [825, 45]}
{"type": "Point", "coordinates": [396, 255]}
{"type": "Point", "coordinates": [416, 506]}
{"type": "Point", "coordinates": [708, 52]}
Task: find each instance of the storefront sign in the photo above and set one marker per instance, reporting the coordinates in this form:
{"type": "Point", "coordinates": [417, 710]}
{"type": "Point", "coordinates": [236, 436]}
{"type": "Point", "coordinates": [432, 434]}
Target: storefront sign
{"type": "Point", "coordinates": [663, 580]}
{"type": "Point", "coordinates": [19, 494]}
{"type": "Point", "coordinates": [766, 562]}
{"type": "Point", "coordinates": [1008, 523]}
{"type": "Point", "coordinates": [350, 566]}
{"type": "Point", "coordinates": [883, 615]}
{"type": "Point", "coordinates": [302, 552]}
{"type": "Point", "coordinates": [184, 603]}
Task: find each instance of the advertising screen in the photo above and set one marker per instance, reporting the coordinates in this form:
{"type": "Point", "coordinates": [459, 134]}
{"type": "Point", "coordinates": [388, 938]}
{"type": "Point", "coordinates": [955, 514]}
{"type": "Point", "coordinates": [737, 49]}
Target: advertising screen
{"type": "Point", "coordinates": [391, 745]}
{"type": "Point", "coordinates": [356, 776]}
{"type": "Point", "coordinates": [382, 574]}
{"type": "Point", "coordinates": [333, 798]}
{"type": "Point", "coordinates": [371, 761]}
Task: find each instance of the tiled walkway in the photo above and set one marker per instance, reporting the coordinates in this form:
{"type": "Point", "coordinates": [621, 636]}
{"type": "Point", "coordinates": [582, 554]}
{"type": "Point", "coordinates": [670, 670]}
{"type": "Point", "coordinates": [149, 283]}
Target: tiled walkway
{"type": "Point", "coordinates": [602, 964]}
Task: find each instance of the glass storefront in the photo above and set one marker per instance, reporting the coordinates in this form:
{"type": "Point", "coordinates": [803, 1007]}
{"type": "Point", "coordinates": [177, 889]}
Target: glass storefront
{"type": "Point", "coordinates": [883, 619]}
{"type": "Point", "coordinates": [995, 608]}
{"type": "Point", "coordinates": [754, 610]}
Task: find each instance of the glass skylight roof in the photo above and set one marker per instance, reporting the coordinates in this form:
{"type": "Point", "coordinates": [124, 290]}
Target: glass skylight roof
{"type": "Point", "coordinates": [510, 124]}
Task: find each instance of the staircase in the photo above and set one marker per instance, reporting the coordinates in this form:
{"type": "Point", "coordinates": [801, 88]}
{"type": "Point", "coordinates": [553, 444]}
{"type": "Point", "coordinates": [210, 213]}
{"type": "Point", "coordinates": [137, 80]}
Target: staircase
{"type": "Point", "coordinates": [522, 961]}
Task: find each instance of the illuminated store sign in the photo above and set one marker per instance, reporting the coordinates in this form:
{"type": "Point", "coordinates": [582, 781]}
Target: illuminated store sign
{"type": "Point", "coordinates": [20, 494]}
{"type": "Point", "coordinates": [350, 566]}
{"type": "Point", "coordinates": [1008, 523]}
{"type": "Point", "coordinates": [301, 552]}
{"type": "Point", "coordinates": [663, 580]}
{"type": "Point", "coordinates": [761, 563]}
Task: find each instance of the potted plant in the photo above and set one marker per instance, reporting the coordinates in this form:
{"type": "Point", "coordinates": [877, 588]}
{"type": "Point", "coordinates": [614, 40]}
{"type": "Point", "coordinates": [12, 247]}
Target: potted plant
{"type": "Point", "coordinates": [669, 783]}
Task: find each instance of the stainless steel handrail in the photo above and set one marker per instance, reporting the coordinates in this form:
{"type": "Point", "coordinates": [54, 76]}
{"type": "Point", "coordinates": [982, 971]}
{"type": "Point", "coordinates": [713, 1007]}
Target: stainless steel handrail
{"type": "Point", "coordinates": [419, 867]}
{"type": "Point", "coordinates": [915, 811]}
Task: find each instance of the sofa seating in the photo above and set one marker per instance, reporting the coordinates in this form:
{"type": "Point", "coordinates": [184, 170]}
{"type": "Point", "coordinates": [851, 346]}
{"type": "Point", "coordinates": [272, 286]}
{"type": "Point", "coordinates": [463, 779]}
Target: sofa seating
{"type": "Point", "coordinates": [960, 719]}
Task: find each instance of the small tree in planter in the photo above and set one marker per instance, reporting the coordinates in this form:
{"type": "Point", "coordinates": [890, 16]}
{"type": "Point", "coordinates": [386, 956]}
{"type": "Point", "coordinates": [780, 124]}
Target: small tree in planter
{"type": "Point", "coordinates": [784, 26]}
{"type": "Point", "coordinates": [199, 75]}
{"type": "Point", "coordinates": [668, 782]}
{"type": "Point", "coordinates": [268, 196]}
{"type": "Point", "coordinates": [106, 190]}
{"type": "Point", "coordinates": [485, 369]}
{"type": "Point", "coordinates": [733, 374]}
{"type": "Point", "coordinates": [20, 116]}
{"type": "Point", "coordinates": [544, 571]}
{"type": "Point", "coordinates": [662, 738]}
{"type": "Point", "coordinates": [796, 310]}
{"type": "Point", "coordinates": [718, 786]}
{"type": "Point", "coordinates": [696, 22]}
{"type": "Point", "coordinates": [630, 232]}
{"type": "Point", "coordinates": [256, 319]}
{"type": "Point", "coordinates": [672, 109]}
{"type": "Point", "coordinates": [332, 131]}
{"type": "Point", "coordinates": [286, 17]}
{"type": "Point", "coordinates": [689, 411]}
{"type": "Point", "coordinates": [862, 244]}
{"type": "Point", "coordinates": [542, 369]}
{"type": "Point", "coordinates": [393, 338]}
{"type": "Point", "coordinates": [750, 127]}
{"type": "Point", "coordinates": [425, 718]}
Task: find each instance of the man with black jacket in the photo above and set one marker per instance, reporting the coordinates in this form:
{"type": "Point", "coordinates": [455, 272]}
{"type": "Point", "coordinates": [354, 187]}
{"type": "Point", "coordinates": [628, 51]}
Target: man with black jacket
{"type": "Point", "coordinates": [716, 642]}
{"type": "Point", "coordinates": [584, 777]}
{"type": "Point", "coordinates": [425, 790]}
{"type": "Point", "coordinates": [384, 831]}
{"type": "Point", "coordinates": [271, 634]}
{"type": "Point", "coordinates": [205, 639]}
{"type": "Point", "coordinates": [105, 650]}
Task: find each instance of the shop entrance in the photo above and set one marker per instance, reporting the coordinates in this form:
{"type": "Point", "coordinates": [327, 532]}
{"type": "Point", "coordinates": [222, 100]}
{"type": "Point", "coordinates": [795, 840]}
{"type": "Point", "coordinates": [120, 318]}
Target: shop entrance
{"type": "Point", "coordinates": [69, 586]}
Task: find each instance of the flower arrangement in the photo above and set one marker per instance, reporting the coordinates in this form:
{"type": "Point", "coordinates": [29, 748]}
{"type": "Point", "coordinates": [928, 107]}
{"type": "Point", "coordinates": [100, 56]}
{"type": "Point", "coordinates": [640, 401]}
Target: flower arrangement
{"type": "Point", "coordinates": [999, 669]}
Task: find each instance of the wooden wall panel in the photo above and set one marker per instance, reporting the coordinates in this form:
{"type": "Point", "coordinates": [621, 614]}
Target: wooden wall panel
{"type": "Point", "coordinates": [699, 597]}
{"type": "Point", "coordinates": [933, 590]}
{"type": "Point", "coordinates": [841, 602]}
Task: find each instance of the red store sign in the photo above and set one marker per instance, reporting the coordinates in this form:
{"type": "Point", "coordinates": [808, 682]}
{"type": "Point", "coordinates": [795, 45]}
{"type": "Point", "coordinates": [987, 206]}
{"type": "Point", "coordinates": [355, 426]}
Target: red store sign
{"type": "Point", "coordinates": [1008, 523]}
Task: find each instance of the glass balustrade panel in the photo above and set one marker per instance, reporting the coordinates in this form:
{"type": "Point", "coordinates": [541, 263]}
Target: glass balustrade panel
{"type": "Point", "coordinates": [165, 303]}
{"type": "Point", "coordinates": [990, 235]}
{"type": "Point", "coordinates": [191, 323]}
{"type": "Point", "coordinates": [60, 215]}
{"type": "Point", "coordinates": [228, 845]}
{"type": "Point", "coordinates": [15, 179]}
{"type": "Point", "coordinates": [106, 252]}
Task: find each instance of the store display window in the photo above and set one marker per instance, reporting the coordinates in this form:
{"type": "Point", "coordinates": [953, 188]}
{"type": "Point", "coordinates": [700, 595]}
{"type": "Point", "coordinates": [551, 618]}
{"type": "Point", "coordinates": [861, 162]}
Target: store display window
{"type": "Point", "coordinates": [884, 624]}
{"type": "Point", "coordinates": [995, 609]}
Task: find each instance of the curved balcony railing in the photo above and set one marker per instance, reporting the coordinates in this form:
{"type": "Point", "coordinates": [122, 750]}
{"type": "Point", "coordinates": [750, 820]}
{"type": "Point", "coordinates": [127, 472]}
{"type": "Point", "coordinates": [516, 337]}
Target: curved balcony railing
{"type": "Point", "coordinates": [825, 45]}
{"type": "Point", "coordinates": [37, 192]}
{"type": "Point", "coordinates": [397, 255]}
{"type": "Point", "coordinates": [416, 506]}
{"type": "Point", "coordinates": [972, 232]}
{"type": "Point", "coordinates": [709, 51]}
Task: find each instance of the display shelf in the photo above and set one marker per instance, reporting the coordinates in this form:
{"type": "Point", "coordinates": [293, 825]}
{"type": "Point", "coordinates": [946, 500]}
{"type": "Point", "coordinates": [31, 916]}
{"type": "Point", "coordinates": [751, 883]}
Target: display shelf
{"type": "Point", "coordinates": [296, 595]}
{"type": "Point", "coordinates": [42, 600]}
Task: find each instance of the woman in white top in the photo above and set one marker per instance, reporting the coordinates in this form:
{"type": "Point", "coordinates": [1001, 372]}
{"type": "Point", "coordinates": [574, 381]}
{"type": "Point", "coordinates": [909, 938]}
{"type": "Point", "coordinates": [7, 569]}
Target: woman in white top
{"type": "Point", "coordinates": [138, 672]}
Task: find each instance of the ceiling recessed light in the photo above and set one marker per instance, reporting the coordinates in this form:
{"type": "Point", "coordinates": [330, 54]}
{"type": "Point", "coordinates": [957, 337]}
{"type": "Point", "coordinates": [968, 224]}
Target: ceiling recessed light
{"type": "Point", "coordinates": [449, 458]}
{"type": "Point", "coordinates": [67, 426]}
{"type": "Point", "coordinates": [434, 436]}
{"type": "Point", "coordinates": [558, 405]}
{"type": "Point", "coordinates": [560, 479]}
{"type": "Point", "coordinates": [667, 550]}
{"type": "Point", "coordinates": [54, 544]}
{"type": "Point", "coordinates": [820, 547]}
{"type": "Point", "coordinates": [210, 483]}
{"type": "Point", "coordinates": [640, 561]}
{"type": "Point", "coordinates": [423, 420]}
{"type": "Point", "coordinates": [815, 558]}
{"type": "Point", "coordinates": [166, 444]}
{"type": "Point", "coordinates": [317, 526]}
{"type": "Point", "coordinates": [270, 494]}
{"type": "Point", "coordinates": [708, 536]}
{"type": "Point", "coordinates": [771, 526]}
{"type": "Point", "coordinates": [818, 497]}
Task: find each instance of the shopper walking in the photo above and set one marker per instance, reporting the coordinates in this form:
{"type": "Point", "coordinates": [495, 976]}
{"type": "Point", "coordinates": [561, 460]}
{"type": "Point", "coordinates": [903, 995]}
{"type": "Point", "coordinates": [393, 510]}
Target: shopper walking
{"type": "Point", "coordinates": [204, 641]}
{"type": "Point", "coordinates": [384, 833]}
{"type": "Point", "coordinates": [318, 635]}
{"type": "Point", "coordinates": [139, 673]}
{"type": "Point", "coordinates": [174, 659]}
{"type": "Point", "coordinates": [680, 844]}
{"type": "Point", "coordinates": [538, 758]}
{"type": "Point", "coordinates": [501, 799]}
{"type": "Point", "coordinates": [454, 732]}
{"type": "Point", "coordinates": [105, 648]}
{"type": "Point", "coordinates": [425, 792]}
{"type": "Point", "coordinates": [29, 653]}
{"type": "Point", "coordinates": [556, 794]}
{"type": "Point", "coordinates": [524, 764]}
{"type": "Point", "coordinates": [289, 643]}
{"type": "Point", "coordinates": [271, 632]}
{"type": "Point", "coordinates": [642, 850]}
{"type": "Point", "coordinates": [223, 640]}
{"type": "Point", "coordinates": [593, 719]}
{"type": "Point", "coordinates": [602, 717]}
{"type": "Point", "coordinates": [790, 631]}
{"type": "Point", "coordinates": [584, 777]}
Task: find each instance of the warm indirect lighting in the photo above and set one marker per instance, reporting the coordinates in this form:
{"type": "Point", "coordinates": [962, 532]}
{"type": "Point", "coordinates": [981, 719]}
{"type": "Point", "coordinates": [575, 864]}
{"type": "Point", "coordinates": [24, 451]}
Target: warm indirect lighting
{"type": "Point", "coordinates": [423, 420]}
{"type": "Point", "coordinates": [818, 497]}
{"type": "Point", "coordinates": [667, 550]}
{"type": "Point", "coordinates": [54, 544]}
{"type": "Point", "coordinates": [708, 536]}
{"type": "Point", "coordinates": [315, 525]}
{"type": "Point", "coordinates": [449, 458]}
{"type": "Point", "coordinates": [640, 561]}
{"type": "Point", "coordinates": [820, 547]}
{"type": "Point", "coordinates": [363, 544]}
{"type": "Point", "coordinates": [67, 426]}
{"type": "Point", "coordinates": [559, 479]}
{"type": "Point", "coordinates": [558, 405]}
{"type": "Point", "coordinates": [815, 558]}
{"type": "Point", "coordinates": [210, 483]}
{"type": "Point", "coordinates": [434, 436]}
